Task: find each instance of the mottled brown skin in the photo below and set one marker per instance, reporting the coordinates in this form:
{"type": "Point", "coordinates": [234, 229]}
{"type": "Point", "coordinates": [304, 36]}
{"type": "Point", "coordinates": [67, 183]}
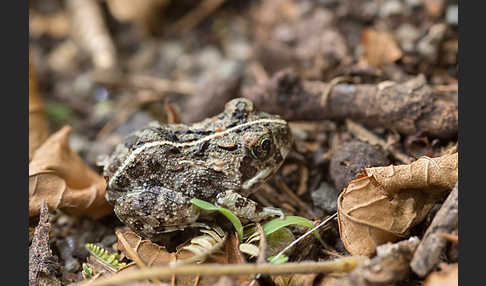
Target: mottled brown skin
{"type": "Point", "coordinates": [155, 171]}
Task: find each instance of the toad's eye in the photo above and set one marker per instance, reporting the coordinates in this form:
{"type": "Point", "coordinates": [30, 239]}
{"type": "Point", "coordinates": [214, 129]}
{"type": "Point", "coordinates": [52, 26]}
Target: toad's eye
{"type": "Point", "coordinates": [262, 147]}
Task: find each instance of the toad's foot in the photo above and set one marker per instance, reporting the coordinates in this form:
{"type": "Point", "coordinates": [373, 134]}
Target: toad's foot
{"type": "Point", "coordinates": [245, 208]}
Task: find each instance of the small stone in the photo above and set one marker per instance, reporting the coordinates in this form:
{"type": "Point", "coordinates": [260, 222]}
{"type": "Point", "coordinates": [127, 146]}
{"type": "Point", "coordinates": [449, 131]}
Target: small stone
{"type": "Point", "coordinates": [351, 158]}
{"type": "Point", "coordinates": [325, 198]}
{"type": "Point", "coordinates": [452, 15]}
{"type": "Point", "coordinates": [390, 8]}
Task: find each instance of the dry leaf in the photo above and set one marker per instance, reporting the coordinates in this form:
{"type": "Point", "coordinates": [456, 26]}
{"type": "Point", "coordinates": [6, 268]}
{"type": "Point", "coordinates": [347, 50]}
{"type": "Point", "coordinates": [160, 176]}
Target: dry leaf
{"type": "Point", "coordinates": [380, 48]}
{"type": "Point", "coordinates": [153, 254]}
{"type": "Point", "coordinates": [385, 202]}
{"type": "Point", "coordinates": [448, 276]}
{"type": "Point", "coordinates": [296, 280]}
{"type": "Point", "coordinates": [59, 176]}
{"type": "Point", "coordinates": [150, 253]}
{"type": "Point", "coordinates": [37, 123]}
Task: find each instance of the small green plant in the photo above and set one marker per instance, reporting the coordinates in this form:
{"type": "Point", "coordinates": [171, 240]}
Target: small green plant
{"type": "Point", "coordinates": [279, 223]}
{"type": "Point", "coordinates": [281, 259]}
{"type": "Point", "coordinates": [268, 228]}
{"type": "Point", "coordinates": [111, 260]}
{"type": "Point", "coordinates": [226, 212]}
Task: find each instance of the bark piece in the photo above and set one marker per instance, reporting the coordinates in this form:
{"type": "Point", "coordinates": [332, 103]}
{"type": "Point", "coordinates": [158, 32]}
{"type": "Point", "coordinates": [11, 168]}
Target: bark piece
{"type": "Point", "coordinates": [384, 203]}
{"type": "Point", "coordinates": [428, 253]}
{"type": "Point", "coordinates": [59, 176]}
{"type": "Point", "coordinates": [391, 265]}
{"type": "Point", "coordinates": [408, 108]}
{"type": "Point", "coordinates": [41, 259]}
{"type": "Point", "coordinates": [351, 158]}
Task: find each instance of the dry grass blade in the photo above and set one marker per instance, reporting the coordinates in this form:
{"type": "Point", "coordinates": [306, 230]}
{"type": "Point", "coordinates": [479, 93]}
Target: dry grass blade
{"type": "Point", "coordinates": [339, 265]}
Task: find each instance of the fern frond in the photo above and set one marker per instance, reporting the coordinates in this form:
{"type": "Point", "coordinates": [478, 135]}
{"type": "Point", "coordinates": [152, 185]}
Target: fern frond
{"type": "Point", "coordinates": [104, 256]}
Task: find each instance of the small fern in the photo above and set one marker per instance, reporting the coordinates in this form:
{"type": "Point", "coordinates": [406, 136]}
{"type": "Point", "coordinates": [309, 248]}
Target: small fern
{"type": "Point", "coordinates": [88, 271]}
{"type": "Point", "coordinates": [101, 254]}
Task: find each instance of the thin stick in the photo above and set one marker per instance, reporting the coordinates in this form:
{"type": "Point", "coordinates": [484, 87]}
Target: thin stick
{"type": "Point", "coordinates": [195, 16]}
{"type": "Point", "coordinates": [331, 85]}
{"type": "Point", "coordinates": [339, 265]}
{"type": "Point", "coordinates": [304, 208]}
{"type": "Point", "coordinates": [368, 136]}
{"type": "Point", "coordinates": [263, 244]}
{"type": "Point", "coordinates": [450, 237]}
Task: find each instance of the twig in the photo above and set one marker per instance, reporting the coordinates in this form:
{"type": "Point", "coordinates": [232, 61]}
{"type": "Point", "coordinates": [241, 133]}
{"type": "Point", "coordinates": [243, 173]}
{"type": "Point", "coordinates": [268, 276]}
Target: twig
{"type": "Point", "coordinates": [263, 244]}
{"type": "Point", "coordinates": [156, 84]}
{"type": "Point", "coordinates": [329, 87]}
{"type": "Point", "coordinates": [450, 237]}
{"type": "Point", "coordinates": [427, 255]}
{"type": "Point", "coordinates": [90, 31]}
{"type": "Point", "coordinates": [304, 178]}
{"type": "Point", "coordinates": [368, 136]}
{"type": "Point", "coordinates": [339, 265]}
{"type": "Point", "coordinates": [302, 206]}
{"type": "Point", "coordinates": [132, 105]}
{"type": "Point", "coordinates": [331, 253]}
{"type": "Point", "coordinates": [195, 16]}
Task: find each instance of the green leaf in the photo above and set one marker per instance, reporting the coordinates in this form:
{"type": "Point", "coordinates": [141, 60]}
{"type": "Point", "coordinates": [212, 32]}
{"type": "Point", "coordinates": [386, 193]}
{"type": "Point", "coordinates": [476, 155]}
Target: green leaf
{"type": "Point", "coordinates": [204, 205]}
{"type": "Point", "coordinates": [278, 223]}
{"type": "Point", "coordinates": [281, 259]}
{"type": "Point", "coordinates": [227, 213]}
{"type": "Point", "coordinates": [58, 112]}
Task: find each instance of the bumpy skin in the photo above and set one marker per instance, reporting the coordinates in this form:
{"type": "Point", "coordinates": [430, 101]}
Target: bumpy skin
{"type": "Point", "coordinates": [155, 171]}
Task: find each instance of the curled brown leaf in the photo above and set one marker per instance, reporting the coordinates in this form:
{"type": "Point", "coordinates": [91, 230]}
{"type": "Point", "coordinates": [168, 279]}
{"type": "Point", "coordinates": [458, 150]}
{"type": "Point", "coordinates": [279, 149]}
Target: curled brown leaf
{"type": "Point", "coordinates": [385, 202]}
{"type": "Point", "coordinates": [59, 176]}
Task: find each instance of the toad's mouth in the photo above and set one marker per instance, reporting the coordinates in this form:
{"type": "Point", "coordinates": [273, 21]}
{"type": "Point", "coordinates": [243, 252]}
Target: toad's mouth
{"type": "Point", "coordinates": [258, 178]}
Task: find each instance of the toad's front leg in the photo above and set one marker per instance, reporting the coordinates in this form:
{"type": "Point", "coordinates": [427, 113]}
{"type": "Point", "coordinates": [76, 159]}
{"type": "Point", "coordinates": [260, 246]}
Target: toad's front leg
{"type": "Point", "coordinates": [245, 208]}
